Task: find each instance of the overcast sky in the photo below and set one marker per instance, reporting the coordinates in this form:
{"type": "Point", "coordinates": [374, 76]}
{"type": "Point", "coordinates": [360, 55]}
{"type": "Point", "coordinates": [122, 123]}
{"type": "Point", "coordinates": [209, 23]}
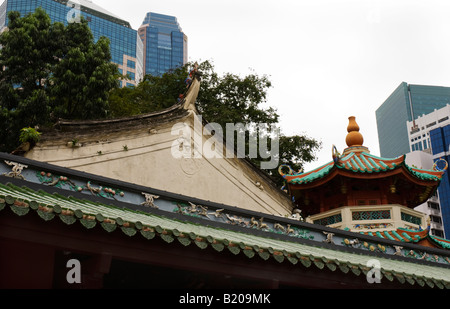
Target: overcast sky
{"type": "Point", "coordinates": [327, 59]}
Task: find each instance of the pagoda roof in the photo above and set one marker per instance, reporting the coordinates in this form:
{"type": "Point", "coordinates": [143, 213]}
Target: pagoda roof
{"type": "Point", "coordinates": [422, 237]}
{"type": "Point", "coordinates": [357, 162]}
{"type": "Point", "coordinates": [90, 202]}
{"type": "Point", "coordinates": [356, 176]}
{"type": "Point", "coordinates": [362, 165]}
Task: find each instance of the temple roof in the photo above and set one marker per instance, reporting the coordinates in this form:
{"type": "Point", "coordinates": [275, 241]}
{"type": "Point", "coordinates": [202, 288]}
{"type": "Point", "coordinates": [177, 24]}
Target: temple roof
{"type": "Point", "coordinates": [422, 237]}
{"type": "Point", "coordinates": [356, 161]}
{"type": "Point", "coordinates": [357, 177]}
{"type": "Point", "coordinates": [141, 149]}
{"type": "Point", "coordinates": [362, 164]}
{"type": "Point", "coordinates": [85, 201]}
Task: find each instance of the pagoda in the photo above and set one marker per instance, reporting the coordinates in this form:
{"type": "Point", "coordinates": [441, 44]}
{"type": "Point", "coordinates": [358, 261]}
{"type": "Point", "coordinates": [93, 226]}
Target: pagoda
{"type": "Point", "coordinates": [361, 192]}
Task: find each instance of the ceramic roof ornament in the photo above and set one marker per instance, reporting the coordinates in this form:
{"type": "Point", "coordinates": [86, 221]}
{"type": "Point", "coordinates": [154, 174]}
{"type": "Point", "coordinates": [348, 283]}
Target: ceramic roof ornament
{"type": "Point", "coordinates": [354, 138]}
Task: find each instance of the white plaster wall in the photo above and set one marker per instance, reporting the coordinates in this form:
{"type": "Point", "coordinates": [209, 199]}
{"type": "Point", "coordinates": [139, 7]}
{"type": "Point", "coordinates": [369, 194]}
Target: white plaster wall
{"type": "Point", "coordinates": [149, 161]}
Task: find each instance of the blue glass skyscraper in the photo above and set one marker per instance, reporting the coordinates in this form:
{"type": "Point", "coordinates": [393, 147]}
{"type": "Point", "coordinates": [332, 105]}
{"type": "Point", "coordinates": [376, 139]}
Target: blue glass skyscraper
{"type": "Point", "coordinates": [406, 103]}
{"type": "Point", "coordinates": [164, 43]}
{"type": "Point", "coordinates": [440, 142]}
{"type": "Point", "coordinates": [125, 45]}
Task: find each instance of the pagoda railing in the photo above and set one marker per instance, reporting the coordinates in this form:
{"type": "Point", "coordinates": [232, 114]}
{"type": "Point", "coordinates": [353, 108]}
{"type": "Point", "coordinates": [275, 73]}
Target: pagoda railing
{"type": "Point", "coordinates": [370, 217]}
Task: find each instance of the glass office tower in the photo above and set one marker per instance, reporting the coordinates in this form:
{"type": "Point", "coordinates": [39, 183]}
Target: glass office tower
{"type": "Point", "coordinates": [164, 43]}
{"type": "Point", "coordinates": [440, 142]}
{"type": "Point", "coordinates": [125, 44]}
{"type": "Point", "coordinates": [406, 103]}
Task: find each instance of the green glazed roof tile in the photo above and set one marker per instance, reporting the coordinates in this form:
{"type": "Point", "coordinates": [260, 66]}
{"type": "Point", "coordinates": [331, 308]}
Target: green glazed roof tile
{"type": "Point", "coordinates": [388, 235]}
{"type": "Point", "coordinates": [361, 163]}
{"type": "Point", "coordinates": [397, 235]}
{"type": "Point", "coordinates": [150, 225]}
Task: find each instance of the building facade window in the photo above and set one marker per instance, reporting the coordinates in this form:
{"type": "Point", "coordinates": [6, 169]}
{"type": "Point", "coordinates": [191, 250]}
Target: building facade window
{"type": "Point", "coordinates": [433, 205]}
{"type": "Point", "coordinates": [131, 64]}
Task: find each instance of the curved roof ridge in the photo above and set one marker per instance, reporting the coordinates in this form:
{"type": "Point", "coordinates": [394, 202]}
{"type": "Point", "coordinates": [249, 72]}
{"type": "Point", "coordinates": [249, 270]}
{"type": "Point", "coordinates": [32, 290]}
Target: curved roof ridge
{"type": "Point", "coordinates": [420, 169]}
{"type": "Point", "coordinates": [363, 162]}
{"type": "Point", "coordinates": [311, 176]}
{"type": "Point", "coordinates": [368, 163]}
{"type": "Point", "coordinates": [413, 236]}
{"type": "Point", "coordinates": [119, 119]}
{"type": "Point", "coordinates": [425, 174]}
{"type": "Point", "coordinates": [444, 243]}
{"type": "Point", "coordinates": [187, 103]}
{"type": "Point", "coordinates": [314, 170]}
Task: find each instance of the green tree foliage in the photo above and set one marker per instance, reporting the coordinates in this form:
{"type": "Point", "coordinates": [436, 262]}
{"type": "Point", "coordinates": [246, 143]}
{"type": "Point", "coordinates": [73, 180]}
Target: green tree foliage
{"type": "Point", "coordinates": [222, 99]}
{"type": "Point", "coordinates": [151, 94]}
{"type": "Point", "coordinates": [124, 102]}
{"type": "Point", "coordinates": [233, 99]}
{"type": "Point", "coordinates": [82, 79]}
{"type": "Point", "coordinates": [27, 59]}
{"type": "Point", "coordinates": [50, 70]}
{"type": "Point", "coordinates": [295, 150]}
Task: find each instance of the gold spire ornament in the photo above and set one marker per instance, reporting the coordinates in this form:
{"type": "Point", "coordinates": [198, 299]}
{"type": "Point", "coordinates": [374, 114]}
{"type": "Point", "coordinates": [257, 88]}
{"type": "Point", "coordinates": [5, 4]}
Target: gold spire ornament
{"type": "Point", "coordinates": [354, 138]}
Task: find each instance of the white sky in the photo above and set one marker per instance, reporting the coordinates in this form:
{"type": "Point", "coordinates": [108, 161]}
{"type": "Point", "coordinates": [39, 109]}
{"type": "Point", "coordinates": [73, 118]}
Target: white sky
{"type": "Point", "coordinates": [327, 59]}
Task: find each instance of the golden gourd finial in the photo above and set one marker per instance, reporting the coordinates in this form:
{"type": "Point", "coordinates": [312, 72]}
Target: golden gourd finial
{"type": "Point", "coordinates": [354, 138]}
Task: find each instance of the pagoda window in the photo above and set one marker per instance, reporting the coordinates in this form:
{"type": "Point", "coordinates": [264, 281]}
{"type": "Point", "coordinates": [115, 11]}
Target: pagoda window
{"type": "Point", "coordinates": [411, 218]}
{"type": "Point", "coordinates": [329, 220]}
{"type": "Point", "coordinates": [371, 215]}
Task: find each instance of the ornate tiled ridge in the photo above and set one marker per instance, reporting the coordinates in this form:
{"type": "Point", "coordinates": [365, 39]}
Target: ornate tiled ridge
{"type": "Point", "coordinates": [53, 193]}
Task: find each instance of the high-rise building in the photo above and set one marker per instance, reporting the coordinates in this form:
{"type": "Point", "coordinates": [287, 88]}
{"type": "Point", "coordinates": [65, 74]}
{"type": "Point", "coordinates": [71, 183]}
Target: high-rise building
{"type": "Point", "coordinates": [420, 140]}
{"type": "Point", "coordinates": [125, 45]}
{"type": "Point", "coordinates": [440, 142]}
{"type": "Point", "coordinates": [406, 103]}
{"type": "Point", "coordinates": [432, 206]}
{"type": "Point", "coordinates": [419, 129]}
{"type": "Point", "coordinates": [164, 43]}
